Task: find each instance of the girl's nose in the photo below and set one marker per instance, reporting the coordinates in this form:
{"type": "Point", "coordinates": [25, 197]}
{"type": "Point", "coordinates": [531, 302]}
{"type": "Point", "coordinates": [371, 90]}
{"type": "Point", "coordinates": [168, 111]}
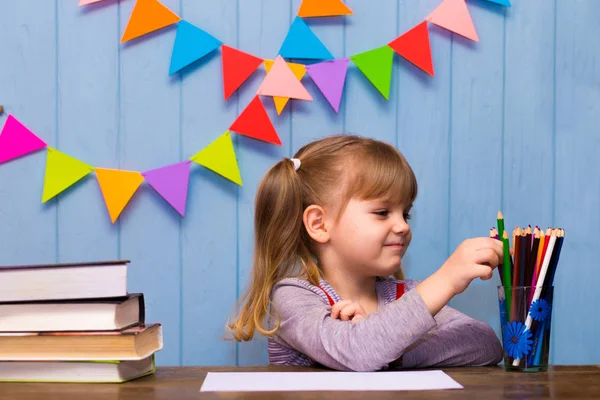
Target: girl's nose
{"type": "Point", "coordinates": [400, 226]}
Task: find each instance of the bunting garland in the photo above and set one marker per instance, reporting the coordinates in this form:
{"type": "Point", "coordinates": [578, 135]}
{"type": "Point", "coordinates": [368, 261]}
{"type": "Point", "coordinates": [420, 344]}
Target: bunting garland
{"type": "Point", "coordinates": [16, 140]}
{"type": "Point", "coordinates": [118, 187]}
{"type": "Point", "coordinates": [191, 44]}
{"type": "Point", "coordinates": [171, 182]}
{"type": "Point", "coordinates": [254, 122]}
{"type": "Point", "coordinates": [454, 16]}
{"type": "Point", "coordinates": [376, 66]}
{"type": "Point", "coordinates": [414, 46]}
{"type": "Point", "coordinates": [148, 16]}
{"type": "Point", "coordinates": [282, 82]}
{"type": "Point", "coordinates": [62, 171]}
{"type": "Point", "coordinates": [297, 69]}
{"type": "Point", "coordinates": [330, 76]}
{"type": "Point", "coordinates": [237, 67]}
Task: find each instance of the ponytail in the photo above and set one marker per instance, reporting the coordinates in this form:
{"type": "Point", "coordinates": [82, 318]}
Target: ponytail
{"type": "Point", "coordinates": [280, 244]}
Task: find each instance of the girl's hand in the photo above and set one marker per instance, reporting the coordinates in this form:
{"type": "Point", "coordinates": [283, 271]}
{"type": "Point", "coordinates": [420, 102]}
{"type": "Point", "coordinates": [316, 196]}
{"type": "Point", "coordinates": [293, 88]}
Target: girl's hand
{"type": "Point", "coordinates": [474, 258]}
{"type": "Point", "coordinates": [347, 310]}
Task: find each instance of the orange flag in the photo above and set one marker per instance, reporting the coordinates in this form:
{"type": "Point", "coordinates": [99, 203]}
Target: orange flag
{"type": "Point", "coordinates": [117, 187]}
{"type": "Point", "coordinates": [323, 8]}
{"type": "Point", "coordinates": [148, 16]}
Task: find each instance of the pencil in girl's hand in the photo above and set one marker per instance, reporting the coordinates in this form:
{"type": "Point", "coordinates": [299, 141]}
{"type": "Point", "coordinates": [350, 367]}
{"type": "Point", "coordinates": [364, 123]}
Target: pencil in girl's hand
{"type": "Point", "coordinates": [506, 278]}
{"type": "Point", "coordinates": [494, 235]}
{"type": "Point", "coordinates": [500, 221]}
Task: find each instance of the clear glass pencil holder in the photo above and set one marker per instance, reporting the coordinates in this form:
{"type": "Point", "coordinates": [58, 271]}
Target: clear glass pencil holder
{"type": "Point", "coordinates": [525, 320]}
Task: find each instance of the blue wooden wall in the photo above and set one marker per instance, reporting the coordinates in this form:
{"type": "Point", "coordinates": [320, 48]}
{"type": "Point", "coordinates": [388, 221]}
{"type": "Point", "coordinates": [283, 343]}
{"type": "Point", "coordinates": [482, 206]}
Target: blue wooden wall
{"type": "Point", "coordinates": [508, 123]}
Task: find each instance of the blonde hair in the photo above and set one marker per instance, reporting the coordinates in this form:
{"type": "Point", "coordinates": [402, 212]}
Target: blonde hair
{"type": "Point", "coordinates": [364, 168]}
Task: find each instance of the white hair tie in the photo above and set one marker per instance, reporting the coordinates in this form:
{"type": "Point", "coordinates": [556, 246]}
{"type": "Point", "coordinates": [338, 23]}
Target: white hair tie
{"type": "Point", "coordinates": [296, 162]}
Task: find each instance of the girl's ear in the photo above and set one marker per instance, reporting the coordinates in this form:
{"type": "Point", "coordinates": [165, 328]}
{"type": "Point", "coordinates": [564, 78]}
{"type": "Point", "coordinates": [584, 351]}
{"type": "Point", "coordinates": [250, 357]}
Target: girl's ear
{"type": "Point", "coordinates": [314, 218]}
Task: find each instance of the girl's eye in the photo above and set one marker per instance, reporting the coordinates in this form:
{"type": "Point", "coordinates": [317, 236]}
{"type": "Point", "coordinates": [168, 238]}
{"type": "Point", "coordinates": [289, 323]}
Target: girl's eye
{"type": "Point", "coordinates": [407, 216]}
{"type": "Point", "coordinates": [382, 213]}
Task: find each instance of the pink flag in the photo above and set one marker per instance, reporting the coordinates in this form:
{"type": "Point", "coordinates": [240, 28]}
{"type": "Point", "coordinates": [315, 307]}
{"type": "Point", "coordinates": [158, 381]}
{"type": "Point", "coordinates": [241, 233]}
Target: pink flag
{"type": "Point", "coordinates": [281, 81]}
{"type": "Point", "coordinates": [454, 16]}
{"type": "Point", "coordinates": [16, 140]}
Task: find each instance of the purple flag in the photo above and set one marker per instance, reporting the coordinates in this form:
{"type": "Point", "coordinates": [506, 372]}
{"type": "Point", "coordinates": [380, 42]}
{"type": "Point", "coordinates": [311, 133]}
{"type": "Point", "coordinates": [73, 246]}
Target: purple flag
{"type": "Point", "coordinates": [171, 182]}
{"type": "Point", "coordinates": [330, 76]}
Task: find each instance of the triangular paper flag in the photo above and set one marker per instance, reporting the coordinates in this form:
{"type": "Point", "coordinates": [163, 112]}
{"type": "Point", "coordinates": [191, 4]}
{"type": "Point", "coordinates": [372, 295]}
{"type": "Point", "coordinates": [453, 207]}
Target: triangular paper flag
{"type": "Point", "coordinates": [171, 182]}
{"type": "Point", "coordinates": [282, 82]}
{"type": "Point", "coordinates": [414, 46]}
{"type": "Point", "coordinates": [298, 69]}
{"type": "Point", "coordinates": [376, 65]}
{"type": "Point", "coordinates": [237, 67]}
{"type": "Point", "coordinates": [117, 187]}
{"type": "Point", "coordinates": [148, 16]}
{"type": "Point", "coordinates": [191, 44]}
{"type": "Point", "coordinates": [301, 42]}
{"type": "Point", "coordinates": [62, 171]}
{"type": "Point", "coordinates": [16, 140]}
{"type": "Point", "coordinates": [501, 2]}
{"type": "Point", "coordinates": [86, 2]}
{"type": "Point", "coordinates": [330, 76]}
{"type": "Point", "coordinates": [254, 122]}
{"type": "Point", "coordinates": [323, 8]}
{"type": "Point", "coordinates": [219, 157]}
{"type": "Point", "coordinates": [454, 16]}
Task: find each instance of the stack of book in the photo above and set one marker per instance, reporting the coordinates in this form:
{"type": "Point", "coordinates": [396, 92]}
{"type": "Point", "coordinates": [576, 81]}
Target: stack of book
{"type": "Point", "coordinates": [73, 323]}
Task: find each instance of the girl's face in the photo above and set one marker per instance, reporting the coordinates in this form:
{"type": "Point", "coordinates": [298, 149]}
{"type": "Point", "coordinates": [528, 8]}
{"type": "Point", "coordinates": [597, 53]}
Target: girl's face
{"type": "Point", "coordinates": [371, 236]}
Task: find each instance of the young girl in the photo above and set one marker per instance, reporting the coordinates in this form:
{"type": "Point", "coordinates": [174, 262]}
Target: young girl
{"type": "Point", "coordinates": [330, 232]}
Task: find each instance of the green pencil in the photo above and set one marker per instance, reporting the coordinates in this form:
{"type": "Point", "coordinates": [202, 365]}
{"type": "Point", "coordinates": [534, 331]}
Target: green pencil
{"type": "Point", "coordinates": [506, 270]}
{"type": "Point", "coordinates": [500, 220]}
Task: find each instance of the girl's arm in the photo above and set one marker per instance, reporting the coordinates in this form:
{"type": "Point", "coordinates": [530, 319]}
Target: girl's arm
{"type": "Point", "coordinates": [370, 345]}
{"type": "Point", "coordinates": [457, 340]}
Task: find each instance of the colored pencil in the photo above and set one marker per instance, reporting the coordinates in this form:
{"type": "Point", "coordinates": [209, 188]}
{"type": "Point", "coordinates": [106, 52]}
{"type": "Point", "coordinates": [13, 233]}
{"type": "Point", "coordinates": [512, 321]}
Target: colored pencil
{"type": "Point", "coordinates": [506, 270]}
{"type": "Point", "coordinates": [500, 221]}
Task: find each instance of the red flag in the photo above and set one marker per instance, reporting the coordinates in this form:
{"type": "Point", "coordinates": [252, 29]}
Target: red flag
{"type": "Point", "coordinates": [414, 46]}
{"type": "Point", "coordinates": [254, 122]}
{"type": "Point", "coordinates": [237, 67]}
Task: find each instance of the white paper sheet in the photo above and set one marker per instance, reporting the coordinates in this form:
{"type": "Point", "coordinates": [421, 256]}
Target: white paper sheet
{"type": "Point", "coordinates": [320, 381]}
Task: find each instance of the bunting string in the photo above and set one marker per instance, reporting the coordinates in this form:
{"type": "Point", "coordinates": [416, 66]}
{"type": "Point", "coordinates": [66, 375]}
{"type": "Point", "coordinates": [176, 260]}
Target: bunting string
{"type": "Point", "coordinates": [282, 83]}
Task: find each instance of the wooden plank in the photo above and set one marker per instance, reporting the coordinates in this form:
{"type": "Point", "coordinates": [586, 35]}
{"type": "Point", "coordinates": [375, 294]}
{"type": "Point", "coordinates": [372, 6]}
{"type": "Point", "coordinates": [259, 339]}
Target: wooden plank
{"type": "Point", "coordinates": [88, 129]}
{"type": "Point", "coordinates": [368, 113]}
{"type": "Point", "coordinates": [475, 146]}
{"type": "Point", "coordinates": [150, 137]}
{"type": "Point", "coordinates": [422, 135]}
{"type": "Point", "coordinates": [315, 119]}
{"type": "Point", "coordinates": [209, 238]}
{"type": "Point", "coordinates": [577, 183]}
{"type": "Point", "coordinates": [261, 32]}
{"type": "Point", "coordinates": [528, 114]}
{"type": "Point", "coordinates": [28, 82]}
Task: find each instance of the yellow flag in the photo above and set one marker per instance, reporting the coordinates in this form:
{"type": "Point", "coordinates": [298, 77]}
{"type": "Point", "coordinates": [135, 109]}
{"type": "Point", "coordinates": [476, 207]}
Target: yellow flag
{"type": "Point", "coordinates": [117, 187]}
{"type": "Point", "coordinates": [298, 69]}
{"type": "Point", "coordinates": [62, 171]}
{"type": "Point", "coordinates": [219, 156]}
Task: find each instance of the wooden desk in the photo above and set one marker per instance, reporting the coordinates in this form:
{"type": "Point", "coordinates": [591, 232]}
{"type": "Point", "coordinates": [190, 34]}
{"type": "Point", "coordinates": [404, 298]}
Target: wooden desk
{"type": "Point", "coordinates": [180, 383]}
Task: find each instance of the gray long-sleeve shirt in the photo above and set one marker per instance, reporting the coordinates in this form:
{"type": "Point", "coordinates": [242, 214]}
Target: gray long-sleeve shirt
{"type": "Point", "coordinates": [402, 333]}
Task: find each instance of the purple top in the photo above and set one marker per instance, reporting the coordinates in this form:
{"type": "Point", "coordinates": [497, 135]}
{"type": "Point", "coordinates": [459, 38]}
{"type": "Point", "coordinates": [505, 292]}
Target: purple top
{"type": "Point", "coordinates": [401, 334]}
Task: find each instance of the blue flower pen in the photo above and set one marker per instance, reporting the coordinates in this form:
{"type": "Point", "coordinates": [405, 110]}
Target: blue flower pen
{"type": "Point", "coordinates": [538, 353]}
{"type": "Point", "coordinates": [533, 359]}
